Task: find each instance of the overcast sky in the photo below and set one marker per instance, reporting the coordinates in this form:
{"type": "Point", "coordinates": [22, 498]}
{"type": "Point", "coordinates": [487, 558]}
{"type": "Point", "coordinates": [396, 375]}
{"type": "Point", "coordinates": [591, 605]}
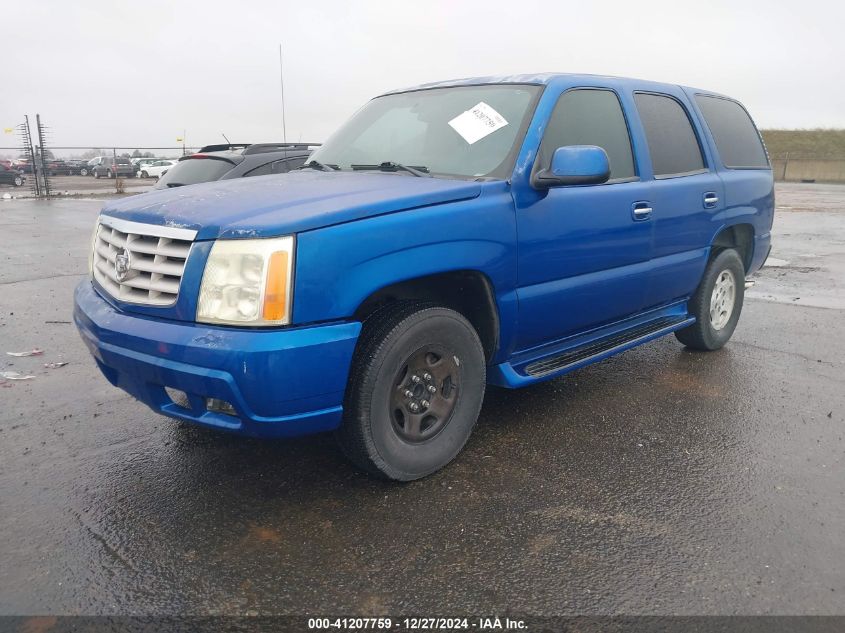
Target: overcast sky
{"type": "Point", "coordinates": [138, 73]}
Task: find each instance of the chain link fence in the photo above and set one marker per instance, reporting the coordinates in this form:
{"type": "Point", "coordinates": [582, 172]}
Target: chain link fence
{"type": "Point", "coordinates": [72, 170]}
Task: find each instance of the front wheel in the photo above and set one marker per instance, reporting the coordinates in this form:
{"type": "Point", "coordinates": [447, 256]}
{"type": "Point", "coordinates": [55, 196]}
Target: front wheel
{"type": "Point", "coordinates": [716, 304]}
{"type": "Point", "coordinates": [415, 391]}
{"type": "Point", "coordinates": [144, 174]}
{"type": "Point", "coordinates": [83, 172]}
{"type": "Point", "coordinates": [96, 174]}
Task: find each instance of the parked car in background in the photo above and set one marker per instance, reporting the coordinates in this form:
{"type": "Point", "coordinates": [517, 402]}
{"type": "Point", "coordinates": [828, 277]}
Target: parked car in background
{"type": "Point", "coordinates": [109, 167]}
{"type": "Point", "coordinates": [482, 231]}
{"type": "Point", "coordinates": [220, 162]}
{"type": "Point", "coordinates": [156, 169]}
{"type": "Point", "coordinates": [58, 167]}
{"type": "Point", "coordinates": [140, 162]}
{"type": "Point", "coordinates": [11, 176]}
{"type": "Point", "coordinates": [22, 165]}
{"type": "Point", "coordinates": [76, 166]}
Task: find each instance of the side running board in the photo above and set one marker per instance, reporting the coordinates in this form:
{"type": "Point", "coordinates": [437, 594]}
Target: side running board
{"type": "Point", "coordinates": [625, 339]}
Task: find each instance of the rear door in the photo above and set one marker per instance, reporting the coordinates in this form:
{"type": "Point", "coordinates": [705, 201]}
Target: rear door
{"type": "Point", "coordinates": [686, 192]}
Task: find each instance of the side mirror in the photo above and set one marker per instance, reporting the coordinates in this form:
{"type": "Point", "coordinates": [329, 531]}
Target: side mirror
{"type": "Point", "coordinates": [574, 165]}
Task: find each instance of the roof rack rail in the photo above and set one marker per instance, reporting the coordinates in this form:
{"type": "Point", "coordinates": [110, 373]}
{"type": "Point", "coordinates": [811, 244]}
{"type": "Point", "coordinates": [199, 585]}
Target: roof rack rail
{"type": "Point", "coordinates": [222, 147]}
{"type": "Point", "coordinates": [259, 148]}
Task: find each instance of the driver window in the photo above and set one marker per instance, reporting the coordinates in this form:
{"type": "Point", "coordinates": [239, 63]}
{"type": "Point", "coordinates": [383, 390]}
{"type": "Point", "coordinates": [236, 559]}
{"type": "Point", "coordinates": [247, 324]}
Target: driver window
{"type": "Point", "coordinates": [590, 117]}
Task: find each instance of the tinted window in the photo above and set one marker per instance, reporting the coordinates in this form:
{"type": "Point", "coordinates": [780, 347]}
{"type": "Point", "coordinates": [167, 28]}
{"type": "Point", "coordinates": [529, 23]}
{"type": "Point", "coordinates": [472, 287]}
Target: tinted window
{"type": "Point", "coordinates": [736, 137]}
{"type": "Point", "coordinates": [277, 167]}
{"type": "Point", "coordinates": [193, 170]}
{"type": "Point", "coordinates": [590, 117]}
{"type": "Point", "coordinates": [672, 143]}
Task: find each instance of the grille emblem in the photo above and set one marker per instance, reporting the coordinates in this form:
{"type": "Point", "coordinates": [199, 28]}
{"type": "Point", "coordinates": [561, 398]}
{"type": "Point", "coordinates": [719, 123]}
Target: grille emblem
{"type": "Point", "coordinates": [122, 263]}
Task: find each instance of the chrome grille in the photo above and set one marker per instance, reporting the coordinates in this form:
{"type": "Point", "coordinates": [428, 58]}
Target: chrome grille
{"type": "Point", "coordinates": [140, 263]}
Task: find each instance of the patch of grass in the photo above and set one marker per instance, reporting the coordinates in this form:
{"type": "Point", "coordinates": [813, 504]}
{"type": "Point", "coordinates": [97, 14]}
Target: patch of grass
{"type": "Point", "coordinates": [817, 143]}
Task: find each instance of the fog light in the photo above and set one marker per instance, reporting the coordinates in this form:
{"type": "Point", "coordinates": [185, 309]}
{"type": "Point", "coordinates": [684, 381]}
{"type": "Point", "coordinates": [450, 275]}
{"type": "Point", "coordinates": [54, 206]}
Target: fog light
{"type": "Point", "coordinates": [179, 398]}
{"type": "Point", "coordinates": [220, 406]}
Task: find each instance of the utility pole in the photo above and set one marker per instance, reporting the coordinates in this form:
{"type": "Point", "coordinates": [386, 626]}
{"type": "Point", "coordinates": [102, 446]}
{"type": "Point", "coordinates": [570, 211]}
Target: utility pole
{"type": "Point", "coordinates": [282, 82]}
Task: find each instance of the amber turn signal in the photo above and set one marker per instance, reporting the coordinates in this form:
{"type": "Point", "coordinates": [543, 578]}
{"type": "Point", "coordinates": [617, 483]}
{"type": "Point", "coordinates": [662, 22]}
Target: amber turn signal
{"type": "Point", "coordinates": [276, 289]}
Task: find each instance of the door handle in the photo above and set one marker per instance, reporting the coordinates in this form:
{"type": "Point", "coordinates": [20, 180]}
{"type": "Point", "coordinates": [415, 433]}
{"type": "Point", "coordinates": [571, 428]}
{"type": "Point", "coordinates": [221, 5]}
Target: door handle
{"type": "Point", "coordinates": [710, 200]}
{"type": "Point", "coordinates": [641, 210]}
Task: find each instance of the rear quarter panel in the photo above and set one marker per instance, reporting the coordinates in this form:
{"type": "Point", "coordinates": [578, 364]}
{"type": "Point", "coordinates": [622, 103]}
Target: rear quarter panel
{"type": "Point", "coordinates": [749, 194]}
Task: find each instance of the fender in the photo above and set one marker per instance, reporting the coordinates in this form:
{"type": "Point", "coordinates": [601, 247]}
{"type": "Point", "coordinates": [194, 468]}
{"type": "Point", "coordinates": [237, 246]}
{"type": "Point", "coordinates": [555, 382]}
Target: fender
{"type": "Point", "coordinates": [339, 267]}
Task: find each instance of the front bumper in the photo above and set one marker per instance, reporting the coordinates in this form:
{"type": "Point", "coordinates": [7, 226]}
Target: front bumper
{"type": "Point", "coordinates": [281, 382]}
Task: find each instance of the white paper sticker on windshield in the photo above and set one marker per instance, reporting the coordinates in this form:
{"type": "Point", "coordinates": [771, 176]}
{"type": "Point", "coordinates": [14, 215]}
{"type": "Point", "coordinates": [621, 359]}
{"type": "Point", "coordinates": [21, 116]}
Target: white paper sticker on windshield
{"type": "Point", "coordinates": [477, 122]}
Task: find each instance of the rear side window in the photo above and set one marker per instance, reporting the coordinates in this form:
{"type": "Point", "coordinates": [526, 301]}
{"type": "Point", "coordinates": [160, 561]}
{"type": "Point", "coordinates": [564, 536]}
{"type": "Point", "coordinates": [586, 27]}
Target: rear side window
{"type": "Point", "coordinates": [672, 143]}
{"type": "Point", "coordinates": [736, 137]}
{"type": "Point", "coordinates": [276, 167]}
{"type": "Point", "coordinates": [191, 171]}
{"type": "Point", "coordinates": [590, 117]}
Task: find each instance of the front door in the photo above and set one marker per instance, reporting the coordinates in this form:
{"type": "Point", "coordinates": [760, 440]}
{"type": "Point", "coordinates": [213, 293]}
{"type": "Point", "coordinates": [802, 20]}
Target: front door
{"type": "Point", "coordinates": [584, 251]}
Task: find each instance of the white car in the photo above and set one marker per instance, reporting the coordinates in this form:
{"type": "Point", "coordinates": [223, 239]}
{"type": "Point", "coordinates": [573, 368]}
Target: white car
{"type": "Point", "coordinates": [156, 169]}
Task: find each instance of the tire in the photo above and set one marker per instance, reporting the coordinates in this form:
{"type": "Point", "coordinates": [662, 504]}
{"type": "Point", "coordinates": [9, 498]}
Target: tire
{"type": "Point", "coordinates": [96, 174]}
{"type": "Point", "coordinates": [18, 181]}
{"type": "Point", "coordinates": [144, 174]}
{"type": "Point", "coordinates": [716, 304]}
{"type": "Point", "coordinates": [109, 174]}
{"type": "Point", "coordinates": [412, 354]}
{"type": "Point", "coordinates": [83, 172]}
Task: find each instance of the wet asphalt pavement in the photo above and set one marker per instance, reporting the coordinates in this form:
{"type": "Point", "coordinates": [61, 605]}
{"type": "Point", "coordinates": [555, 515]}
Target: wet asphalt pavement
{"type": "Point", "coordinates": [660, 481]}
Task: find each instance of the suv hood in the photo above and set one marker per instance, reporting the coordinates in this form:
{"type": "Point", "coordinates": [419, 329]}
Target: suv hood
{"type": "Point", "coordinates": [267, 206]}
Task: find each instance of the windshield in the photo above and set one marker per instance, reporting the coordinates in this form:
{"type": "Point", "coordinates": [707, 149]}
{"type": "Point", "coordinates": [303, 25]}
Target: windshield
{"type": "Point", "coordinates": [464, 131]}
{"type": "Point", "coordinates": [194, 170]}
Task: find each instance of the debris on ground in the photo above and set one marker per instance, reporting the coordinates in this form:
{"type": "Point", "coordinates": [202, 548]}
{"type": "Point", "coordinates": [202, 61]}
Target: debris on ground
{"type": "Point", "coordinates": [55, 365]}
{"type": "Point", "coordinates": [15, 375]}
{"type": "Point", "coordinates": [32, 352]}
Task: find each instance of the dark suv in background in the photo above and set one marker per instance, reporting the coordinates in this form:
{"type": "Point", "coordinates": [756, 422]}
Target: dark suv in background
{"type": "Point", "coordinates": [221, 162]}
{"type": "Point", "coordinates": [110, 166]}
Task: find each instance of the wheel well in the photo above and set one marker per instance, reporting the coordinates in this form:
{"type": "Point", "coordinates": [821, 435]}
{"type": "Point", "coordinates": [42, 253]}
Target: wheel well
{"type": "Point", "coordinates": [466, 291]}
{"type": "Point", "coordinates": [739, 237]}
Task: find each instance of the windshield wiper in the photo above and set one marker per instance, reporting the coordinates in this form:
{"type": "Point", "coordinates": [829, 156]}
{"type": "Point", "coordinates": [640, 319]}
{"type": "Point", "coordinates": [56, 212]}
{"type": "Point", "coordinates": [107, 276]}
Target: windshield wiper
{"type": "Point", "coordinates": [417, 170]}
{"type": "Point", "coordinates": [313, 164]}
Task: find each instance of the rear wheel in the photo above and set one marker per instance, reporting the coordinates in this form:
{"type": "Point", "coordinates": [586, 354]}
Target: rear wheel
{"type": "Point", "coordinates": [109, 174]}
{"type": "Point", "coordinates": [415, 390]}
{"type": "Point", "coordinates": [18, 181]}
{"type": "Point", "coordinates": [716, 304]}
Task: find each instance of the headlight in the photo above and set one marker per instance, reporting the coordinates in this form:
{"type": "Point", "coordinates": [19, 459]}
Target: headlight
{"type": "Point", "coordinates": [247, 282]}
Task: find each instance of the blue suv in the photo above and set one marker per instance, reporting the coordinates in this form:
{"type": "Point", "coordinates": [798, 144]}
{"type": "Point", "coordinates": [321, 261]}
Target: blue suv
{"type": "Point", "coordinates": [494, 230]}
